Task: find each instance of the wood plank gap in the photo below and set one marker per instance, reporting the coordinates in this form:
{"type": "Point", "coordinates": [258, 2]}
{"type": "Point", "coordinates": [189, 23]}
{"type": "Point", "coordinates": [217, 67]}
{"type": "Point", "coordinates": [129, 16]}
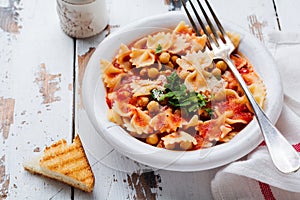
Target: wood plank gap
{"type": "Point", "coordinates": [74, 101]}
{"type": "Point", "coordinates": [277, 17]}
{"type": "Point", "coordinates": [72, 193]}
{"type": "Point", "coordinates": [74, 90]}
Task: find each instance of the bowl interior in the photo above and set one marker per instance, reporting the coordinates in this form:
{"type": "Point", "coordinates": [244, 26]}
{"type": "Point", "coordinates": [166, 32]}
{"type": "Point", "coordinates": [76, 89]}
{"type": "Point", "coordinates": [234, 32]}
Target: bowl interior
{"type": "Point", "coordinates": [240, 145]}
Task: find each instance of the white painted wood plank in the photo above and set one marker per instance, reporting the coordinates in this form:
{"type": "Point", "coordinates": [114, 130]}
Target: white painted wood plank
{"type": "Point", "coordinates": [36, 69]}
{"type": "Point", "coordinates": [289, 15]}
{"type": "Point", "coordinates": [256, 16]}
{"type": "Point", "coordinates": [124, 12]}
{"type": "Point", "coordinates": [7, 102]}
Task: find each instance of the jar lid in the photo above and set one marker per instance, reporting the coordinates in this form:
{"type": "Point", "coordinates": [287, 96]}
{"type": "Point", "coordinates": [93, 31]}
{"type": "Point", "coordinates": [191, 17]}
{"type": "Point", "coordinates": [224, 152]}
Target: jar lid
{"type": "Point", "coordinates": [78, 2]}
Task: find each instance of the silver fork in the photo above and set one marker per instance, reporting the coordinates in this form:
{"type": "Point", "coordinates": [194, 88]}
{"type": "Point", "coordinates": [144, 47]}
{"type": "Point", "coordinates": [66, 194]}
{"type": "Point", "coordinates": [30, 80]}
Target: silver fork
{"type": "Point", "coordinates": [282, 153]}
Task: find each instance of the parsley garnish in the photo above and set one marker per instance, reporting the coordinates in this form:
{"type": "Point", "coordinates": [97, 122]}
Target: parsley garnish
{"type": "Point", "coordinates": [210, 112]}
{"type": "Point", "coordinates": [157, 94]}
{"type": "Point", "coordinates": [176, 95]}
{"type": "Point", "coordinates": [158, 49]}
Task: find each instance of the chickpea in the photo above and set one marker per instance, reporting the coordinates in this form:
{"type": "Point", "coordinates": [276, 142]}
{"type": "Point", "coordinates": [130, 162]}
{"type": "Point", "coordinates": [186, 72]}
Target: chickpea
{"type": "Point", "coordinates": [142, 101]}
{"type": "Point", "coordinates": [209, 68]}
{"type": "Point", "coordinates": [220, 96]}
{"type": "Point", "coordinates": [153, 73]}
{"type": "Point", "coordinates": [170, 64]}
{"type": "Point", "coordinates": [153, 107]}
{"type": "Point", "coordinates": [186, 145]}
{"type": "Point", "coordinates": [164, 57]}
{"type": "Point", "coordinates": [170, 146]}
{"type": "Point", "coordinates": [216, 72]}
{"type": "Point", "coordinates": [143, 72]}
{"type": "Point", "coordinates": [152, 139]}
{"type": "Point", "coordinates": [174, 58]}
{"type": "Point", "coordinates": [221, 65]}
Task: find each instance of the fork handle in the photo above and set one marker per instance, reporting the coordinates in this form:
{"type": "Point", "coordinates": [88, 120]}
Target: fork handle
{"type": "Point", "coordinates": [282, 153]}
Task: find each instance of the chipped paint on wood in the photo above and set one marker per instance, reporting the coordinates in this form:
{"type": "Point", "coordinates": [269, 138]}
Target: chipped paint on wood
{"type": "Point", "coordinates": [145, 185]}
{"type": "Point", "coordinates": [4, 179]}
{"type": "Point", "coordinates": [7, 107]}
{"type": "Point", "coordinates": [49, 84]}
{"type": "Point", "coordinates": [70, 87]}
{"type": "Point", "coordinates": [109, 28]}
{"type": "Point", "coordinates": [82, 63]}
{"type": "Point", "coordinates": [9, 16]}
{"type": "Point", "coordinates": [37, 149]}
{"type": "Point", "coordinates": [173, 4]}
{"type": "Point", "coordinates": [256, 27]}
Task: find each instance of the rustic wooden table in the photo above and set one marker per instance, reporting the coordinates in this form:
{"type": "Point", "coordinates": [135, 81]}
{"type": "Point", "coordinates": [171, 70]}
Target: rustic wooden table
{"type": "Point", "coordinates": [41, 71]}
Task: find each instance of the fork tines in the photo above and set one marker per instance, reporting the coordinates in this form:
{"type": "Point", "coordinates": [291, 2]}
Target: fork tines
{"type": "Point", "coordinates": [216, 39]}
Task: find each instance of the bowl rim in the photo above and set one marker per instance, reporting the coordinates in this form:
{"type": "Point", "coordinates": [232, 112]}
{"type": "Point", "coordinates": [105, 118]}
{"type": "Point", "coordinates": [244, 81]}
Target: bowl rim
{"type": "Point", "coordinates": [196, 160]}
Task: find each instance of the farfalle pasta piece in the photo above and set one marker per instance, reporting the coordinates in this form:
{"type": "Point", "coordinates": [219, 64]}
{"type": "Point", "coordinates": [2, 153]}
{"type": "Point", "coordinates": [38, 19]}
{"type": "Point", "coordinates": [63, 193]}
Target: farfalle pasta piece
{"type": "Point", "coordinates": [144, 87]}
{"type": "Point", "coordinates": [192, 69]}
{"type": "Point", "coordinates": [197, 43]}
{"type": "Point", "coordinates": [193, 122]}
{"type": "Point", "coordinates": [123, 109]}
{"type": "Point", "coordinates": [141, 43]}
{"type": "Point", "coordinates": [113, 116]}
{"type": "Point", "coordinates": [139, 122]}
{"type": "Point", "coordinates": [258, 90]}
{"type": "Point", "coordinates": [166, 121]}
{"type": "Point", "coordinates": [183, 28]}
{"type": "Point", "coordinates": [236, 109]}
{"type": "Point", "coordinates": [111, 75]}
{"type": "Point", "coordinates": [195, 81]}
{"type": "Point", "coordinates": [163, 39]}
{"type": "Point", "coordinates": [235, 38]}
{"type": "Point", "coordinates": [184, 68]}
{"type": "Point", "coordinates": [241, 62]}
{"type": "Point", "coordinates": [200, 60]}
{"type": "Point", "coordinates": [182, 139]}
{"type": "Point", "coordinates": [179, 44]}
{"type": "Point", "coordinates": [225, 129]}
{"type": "Point", "coordinates": [211, 130]}
{"type": "Point", "coordinates": [123, 53]}
{"type": "Point", "coordinates": [123, 58]}
{"type": "Point", "coordinates": [142, 57]}
{"type": "Point", "coordinates": [229, 136]}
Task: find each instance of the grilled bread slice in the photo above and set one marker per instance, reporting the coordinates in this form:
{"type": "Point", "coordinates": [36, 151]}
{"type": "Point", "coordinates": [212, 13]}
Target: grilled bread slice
{"type": "Point", "coordinates": [66, 163]}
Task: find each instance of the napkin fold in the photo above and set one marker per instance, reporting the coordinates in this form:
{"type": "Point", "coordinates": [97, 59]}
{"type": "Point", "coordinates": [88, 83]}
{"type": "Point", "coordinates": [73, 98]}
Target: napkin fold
{"type": "Point", "coordinates": [255, 176]}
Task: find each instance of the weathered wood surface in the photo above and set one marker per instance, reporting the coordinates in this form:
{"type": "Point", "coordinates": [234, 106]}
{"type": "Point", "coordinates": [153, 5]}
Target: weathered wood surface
{"type": "Point", "coordinates": [41, 72]}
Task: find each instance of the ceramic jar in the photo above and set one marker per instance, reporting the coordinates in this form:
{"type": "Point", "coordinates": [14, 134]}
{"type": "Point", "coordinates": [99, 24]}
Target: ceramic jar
{"type": "Point", "coordinates": [82, 18]}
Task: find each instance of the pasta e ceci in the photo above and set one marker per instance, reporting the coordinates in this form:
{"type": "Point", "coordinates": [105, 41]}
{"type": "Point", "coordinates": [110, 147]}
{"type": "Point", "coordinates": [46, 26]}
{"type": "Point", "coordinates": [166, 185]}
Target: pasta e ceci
{"type": "Point", "coordinates": [166, 90]}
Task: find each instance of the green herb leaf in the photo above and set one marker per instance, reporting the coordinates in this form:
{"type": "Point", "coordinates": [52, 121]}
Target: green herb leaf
{"type": "Point", "coordinates": [210, 112]}
{"type": "Point", "coordinates": [158, 49]}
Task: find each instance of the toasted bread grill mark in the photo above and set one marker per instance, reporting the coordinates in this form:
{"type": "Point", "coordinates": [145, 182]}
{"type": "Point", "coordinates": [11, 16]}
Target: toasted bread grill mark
{"type": "Point", "coordinates": [65, 165]}
{"type": "Point", "coordinates": [59, 148]}
{"type": "Point", "coordinates": [61, 160]}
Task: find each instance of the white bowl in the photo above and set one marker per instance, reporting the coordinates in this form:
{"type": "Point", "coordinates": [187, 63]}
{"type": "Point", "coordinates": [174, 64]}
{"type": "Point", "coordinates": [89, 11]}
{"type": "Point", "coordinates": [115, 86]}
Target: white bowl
{"type": "Point", "coordinates": [249, 138]}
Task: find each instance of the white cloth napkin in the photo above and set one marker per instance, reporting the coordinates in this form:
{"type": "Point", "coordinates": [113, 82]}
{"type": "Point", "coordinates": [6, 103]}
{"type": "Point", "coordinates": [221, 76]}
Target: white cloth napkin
{"type": "Point", "coordinates": [255, 176]}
